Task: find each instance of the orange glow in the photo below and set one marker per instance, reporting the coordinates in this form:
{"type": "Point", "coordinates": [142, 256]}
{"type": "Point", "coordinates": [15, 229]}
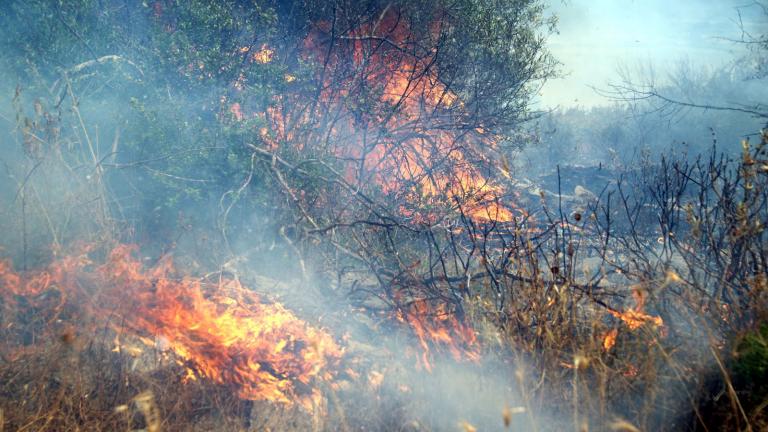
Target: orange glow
{"type": "Point", "coordinates": [375, 379]}
{"type": "Point", "coordinates": [610, 339]}
{"type": "Point", "coordinates": [264, 55]}
{"type": "Point", "coordinates": [219, 331]}
{"type": "Point", "coordinates": [236, 111]}
{"type": "Point", "coordinates": [635, 318]}
{"type": "Point", "coordinates": [439, 329]}
{"type": "Point", "coordinates": [406, 141]}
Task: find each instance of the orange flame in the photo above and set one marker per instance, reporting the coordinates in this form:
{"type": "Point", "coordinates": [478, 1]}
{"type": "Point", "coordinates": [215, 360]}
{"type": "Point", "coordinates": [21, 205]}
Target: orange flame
{"type": "Point", "coordinates": [222, 332]}
{"type": "Point", "coordinates": [609, 341]}
{"type": "Point", "coordinates": [264, 55]}
{"type": "Point", "coordinates": [438, 328]}
{"type": "Point", "coordinates": [406, 142]}
{"type": "Point", "coordinates": [635, 318]}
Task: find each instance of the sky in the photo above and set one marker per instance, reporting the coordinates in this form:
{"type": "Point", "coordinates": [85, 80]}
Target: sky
{"type": "Point", "coordinates": [597, 36]}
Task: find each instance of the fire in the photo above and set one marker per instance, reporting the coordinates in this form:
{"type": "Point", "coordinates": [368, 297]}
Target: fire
{"type": "Point", "coordinates": [610, 339]}
{"type": "Point", "coordinates": [237, 111]}
{"type": "Point", "coordinates": [220, 331]}
{"type": "Point", "coordinates": [635, 318]}
{"type": "Point", "coordinates": [438, 328]}
{"type": "Point", "coordinates": [631, 371]}
{"type": "Point", "coordinates": [264, 55]}
{"type": "Point", "coordinates": [407, 141]}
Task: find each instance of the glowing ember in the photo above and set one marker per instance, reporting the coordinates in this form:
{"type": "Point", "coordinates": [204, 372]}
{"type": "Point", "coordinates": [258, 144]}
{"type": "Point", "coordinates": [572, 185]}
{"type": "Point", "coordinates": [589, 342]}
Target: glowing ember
{"type": "Point", "coordinates": [631, 371]}
{"type": "Point", "coordinates": [237, 111]}
{"type": "Point", "coordinates": [264, 55]}
{"type": "Point", "coordinates": [610, 339]}
{"type": "Point", "coordinates": [221, 331]}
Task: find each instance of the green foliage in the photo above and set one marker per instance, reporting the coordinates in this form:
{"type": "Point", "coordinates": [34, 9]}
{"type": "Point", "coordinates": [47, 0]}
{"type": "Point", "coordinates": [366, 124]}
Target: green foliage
{"type": "Point", "coordinates": [182, 65]}
{"type": "Point", "coordinates": [494, 56]}
{"type": "Point", "coordinates": [42, 37]}
{"type": "Point", "coordinates": [752, 361]}
{"type": "Point", "coordinates": [491, 53]}
{"type": "Point", "coordinates": [179, 68]}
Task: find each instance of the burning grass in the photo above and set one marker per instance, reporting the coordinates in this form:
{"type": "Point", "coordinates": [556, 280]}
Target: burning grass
{"type": "Point", "coordinates": [218, 331]}
{"type": "Point", "coordinates": [97, 339]}
{"type": "Point", "coordinates": [437, 328]}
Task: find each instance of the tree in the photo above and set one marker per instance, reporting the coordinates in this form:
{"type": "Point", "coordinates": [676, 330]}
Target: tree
{"type": "Point", "coordinates": [391, 134]}
{"type": "Point", "coordinates": [687, 89]}
{"type": "Point", "coordinates": [156, 75]}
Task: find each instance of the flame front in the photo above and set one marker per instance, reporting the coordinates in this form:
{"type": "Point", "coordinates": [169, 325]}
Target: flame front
{"type": "Point", "coordinates": [220, 331]}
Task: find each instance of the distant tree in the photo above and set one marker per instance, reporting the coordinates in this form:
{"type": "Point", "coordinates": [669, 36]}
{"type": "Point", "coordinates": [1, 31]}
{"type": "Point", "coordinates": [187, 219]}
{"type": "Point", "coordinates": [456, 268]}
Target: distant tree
{"type": "Point", "coordinates": [755, 41]}
{"type": "Point", "coordinates": [688, 88]}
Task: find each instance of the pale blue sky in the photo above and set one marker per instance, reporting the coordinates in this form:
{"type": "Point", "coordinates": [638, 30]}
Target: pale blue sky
{"type": "Point", "coordinates": [595, 36]}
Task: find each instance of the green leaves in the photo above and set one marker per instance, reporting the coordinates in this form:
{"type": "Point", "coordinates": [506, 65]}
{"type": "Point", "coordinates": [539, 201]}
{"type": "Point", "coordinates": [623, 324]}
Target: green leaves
{"type": "Point", "coordinates": [752, 357]}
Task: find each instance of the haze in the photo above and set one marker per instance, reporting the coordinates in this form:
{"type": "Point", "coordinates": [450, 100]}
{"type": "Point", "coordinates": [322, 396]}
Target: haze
{"type": "Point", "coordinates": [597, 36]}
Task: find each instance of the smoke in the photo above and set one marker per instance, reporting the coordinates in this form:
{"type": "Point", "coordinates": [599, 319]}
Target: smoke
{"type": "Point", "coordinates": [99, 150]}
{"type": "Point", "coordinates": [595, 37]}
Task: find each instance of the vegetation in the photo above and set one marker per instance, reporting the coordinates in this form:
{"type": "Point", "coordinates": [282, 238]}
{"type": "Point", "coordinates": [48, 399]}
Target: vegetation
{"type": "Point", "coordinates": [349, 161]}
